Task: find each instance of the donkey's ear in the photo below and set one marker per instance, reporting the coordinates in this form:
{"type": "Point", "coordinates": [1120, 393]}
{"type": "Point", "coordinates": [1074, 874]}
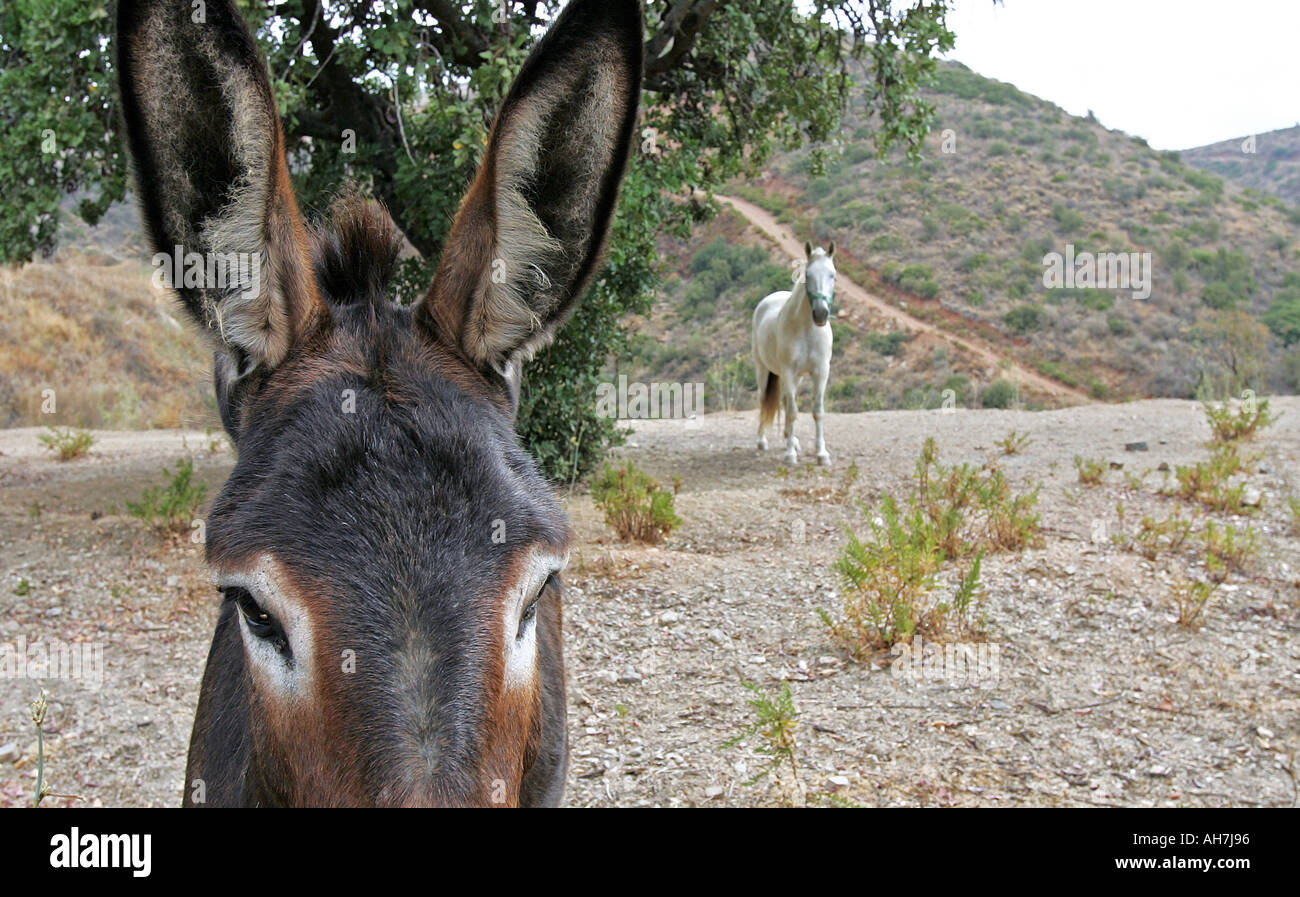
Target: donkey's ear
{"type": "Point", "coordinates": [530, 233]}
{"type": "Point", "coordinates": [210, 169]}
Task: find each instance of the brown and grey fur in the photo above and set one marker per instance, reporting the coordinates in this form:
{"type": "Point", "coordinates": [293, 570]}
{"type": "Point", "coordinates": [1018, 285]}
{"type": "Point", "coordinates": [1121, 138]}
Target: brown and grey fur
{"type": "Point", "coordinates": [372, 530]}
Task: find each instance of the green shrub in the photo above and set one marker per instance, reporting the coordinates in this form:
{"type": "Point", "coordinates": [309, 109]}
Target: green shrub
{"type": "Point", "coordinates": [918, 279]}
{"type": "Point", "coordinates": [68, 443]}
{"type": "Point", "coordinates": [171, 508]}
{"type": "Point", "coordinates": [1024, 319]}
{"type": "Point", "coordinates": [889, 342]}
{"type": "Point", "coordinates": [1068, 220]}
{"type": "Point", "coordinates": [634, 504]}
{"type": "Point", "coordinates": [1014, 443]}
{"type": "Point", "coordinates": [1119, 326]}
{"type": "Point", "coordinates": [999, 394]}
{"type": "Point", "coordinates": [1229, 425]}
{"type": "Point", "coordinates": [776, 719]}
{"type": "Point", "coordinates": [1091, 470]}
{"type": "Point", "coordinates": [952, 513]}
{"type": "Point", "coordinates": [1208, 482]}
{"type": "Point", "coordinates": [1035, 248]}
{"type": "Point", "coordinates": [1283, 316]}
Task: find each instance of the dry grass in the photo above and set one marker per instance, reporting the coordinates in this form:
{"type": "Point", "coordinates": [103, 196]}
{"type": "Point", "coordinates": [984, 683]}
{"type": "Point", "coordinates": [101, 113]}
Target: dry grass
{"type": "Point", "coordinates": [116, 352]}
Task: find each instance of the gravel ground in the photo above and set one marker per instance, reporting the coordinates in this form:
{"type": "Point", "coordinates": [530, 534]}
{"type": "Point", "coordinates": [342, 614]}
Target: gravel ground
{"type": "Point", "coordinates": [1100, 697]}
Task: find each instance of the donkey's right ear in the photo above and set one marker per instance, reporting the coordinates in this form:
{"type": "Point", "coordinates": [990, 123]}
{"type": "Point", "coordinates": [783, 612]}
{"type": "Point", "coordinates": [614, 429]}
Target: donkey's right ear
{"type": "Point", "coordinates": [210, 169]}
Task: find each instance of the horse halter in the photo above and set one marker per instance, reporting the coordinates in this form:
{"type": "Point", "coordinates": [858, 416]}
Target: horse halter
{"type": "Point", "coordinates": [828, 298]}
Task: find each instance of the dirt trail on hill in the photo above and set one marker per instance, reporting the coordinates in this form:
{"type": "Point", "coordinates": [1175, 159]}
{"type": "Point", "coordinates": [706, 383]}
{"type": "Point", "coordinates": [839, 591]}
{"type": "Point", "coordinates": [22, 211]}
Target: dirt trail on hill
{"type": "Point", "coordinates": [792, 246]}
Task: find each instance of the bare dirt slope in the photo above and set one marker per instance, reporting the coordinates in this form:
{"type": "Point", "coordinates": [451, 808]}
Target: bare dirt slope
{"type": "Point", "coordinates": [1100, 699]}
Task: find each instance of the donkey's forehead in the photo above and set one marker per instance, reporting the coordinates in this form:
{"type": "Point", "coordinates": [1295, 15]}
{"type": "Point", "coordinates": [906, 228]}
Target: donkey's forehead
{"type": "Point", "coordinates": [396, 473]}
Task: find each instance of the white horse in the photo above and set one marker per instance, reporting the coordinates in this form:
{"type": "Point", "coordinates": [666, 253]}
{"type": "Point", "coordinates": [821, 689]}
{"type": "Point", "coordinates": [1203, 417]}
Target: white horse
{"type": "Point", "coordinates": [791, 339]}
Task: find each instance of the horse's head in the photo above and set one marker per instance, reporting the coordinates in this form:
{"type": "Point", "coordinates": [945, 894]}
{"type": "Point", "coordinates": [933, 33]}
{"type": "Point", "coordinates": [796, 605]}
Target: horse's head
{"type": "Point", "coordinates": [819, 281]}
{"type": "Point", "coordinates": [389, 555]}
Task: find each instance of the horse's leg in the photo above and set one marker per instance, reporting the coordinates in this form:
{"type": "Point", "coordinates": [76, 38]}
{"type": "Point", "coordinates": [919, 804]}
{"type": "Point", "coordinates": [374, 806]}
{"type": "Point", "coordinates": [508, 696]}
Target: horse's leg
{"type": "Point", "coordinates": [819, 396]}
{"type": "Point", "coordinates": [760, 375]}
{"type": "Point", "coordinates": [790, 386]}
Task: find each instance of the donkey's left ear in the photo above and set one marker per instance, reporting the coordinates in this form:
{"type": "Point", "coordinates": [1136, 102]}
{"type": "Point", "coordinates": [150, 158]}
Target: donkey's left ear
{"type": "Point", "coordinates": [530, 234]}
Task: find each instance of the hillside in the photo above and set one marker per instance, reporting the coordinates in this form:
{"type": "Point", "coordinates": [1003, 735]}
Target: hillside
{"type": "Point", "coordinates": [1273, 168]}
{"type": "Point", "coordinates": [959, 240]}
{"type": "Point", "coordinates": [950, 250]}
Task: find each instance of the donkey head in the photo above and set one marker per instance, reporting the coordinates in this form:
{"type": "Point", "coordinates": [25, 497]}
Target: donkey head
{"type": "Point", "coordinates": [388, 554]}
{"type": "Point", "coordinates": [819, 281]}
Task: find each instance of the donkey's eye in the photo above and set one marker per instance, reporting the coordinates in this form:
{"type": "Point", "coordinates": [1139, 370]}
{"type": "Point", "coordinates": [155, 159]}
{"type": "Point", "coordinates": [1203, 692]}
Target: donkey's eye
{"type": "Point", "coordinates": [260, 623]}
{"type": "Point", "coordinates": [529, 616]}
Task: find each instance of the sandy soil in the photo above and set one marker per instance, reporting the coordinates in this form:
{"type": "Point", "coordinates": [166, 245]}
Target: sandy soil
{"type": "Point", "coordinates": [1100, 699]}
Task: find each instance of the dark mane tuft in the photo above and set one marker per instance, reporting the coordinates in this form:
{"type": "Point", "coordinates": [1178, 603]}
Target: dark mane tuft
{"type": "Point", "coordinates": [355, 251]}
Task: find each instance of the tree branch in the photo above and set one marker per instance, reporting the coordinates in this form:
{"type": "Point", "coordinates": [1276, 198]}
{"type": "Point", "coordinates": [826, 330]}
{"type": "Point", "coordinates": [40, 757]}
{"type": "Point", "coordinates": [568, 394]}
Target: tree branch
{"type": "Point", "coordinates": [465, 44]}
{"type": "Point", "coordinates": [681, 26]}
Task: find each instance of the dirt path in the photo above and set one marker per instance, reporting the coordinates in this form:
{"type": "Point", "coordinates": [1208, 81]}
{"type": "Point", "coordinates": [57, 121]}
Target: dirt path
{"type": "Point", "coordinates": [1100, 698]}
{"type": "Point", "coordinates": [785, 239]}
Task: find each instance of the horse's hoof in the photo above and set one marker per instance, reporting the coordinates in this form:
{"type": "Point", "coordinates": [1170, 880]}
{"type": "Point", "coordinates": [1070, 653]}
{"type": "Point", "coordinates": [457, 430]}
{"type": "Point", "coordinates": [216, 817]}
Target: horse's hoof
{"type": "Point", "coordinates": [791, 459]}
{"type": "Point", "coordinates": [824, 459]}
{"type": "Point", "coordinates": [762, 445]}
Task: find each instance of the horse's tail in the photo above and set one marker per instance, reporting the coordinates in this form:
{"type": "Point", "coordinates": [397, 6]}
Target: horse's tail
{"type": "Point", "coordinates": [771, 401]}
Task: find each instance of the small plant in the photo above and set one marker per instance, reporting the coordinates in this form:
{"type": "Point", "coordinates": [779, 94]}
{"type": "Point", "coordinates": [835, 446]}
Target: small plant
{"type": "Point", "coordinates": [1014, 443]}
{"type": "Point", "coordinates": [969, 589]}
{"type": "Point", "coordinates": [1091, 470]}
{"type": "Point", "coordinates": [34, 510]}
{"type": "Point", "coordinates": [1207, 482]}
{"type": "Point", "coordinates": [890, 577]}
{"type": "Point", "coordinates": [851, 475]}
{"type": "Point", "coordinates": [39, 708]}
{"type": "Point", "coordinates": [1228, 424]}
{"type": "Point", "coordinates": [1228, 550]}
{"type": "Point", "coordinates": [217, 442]}
{"type": "Point", "coordinates": [1190, 600]}
{"type": "Point", "coordinates": [68, 443]}
{"type": "Point", "coordinates": [1293, 504]}
{"type": "Point", "coordinates": [776, 719]}
{"type": "Point", "coordinates": [23, 589]}
{"type": "Point", "coordinates": [635, 505]}
{"type": "Point", "coordinates": [171, 508]}
{"type": "Point", "coordinates": [953, 513]}
{"type": "Point", "coordinates": [1156, 536]}
{"type": "Point", "coordinates": [1134, 481]}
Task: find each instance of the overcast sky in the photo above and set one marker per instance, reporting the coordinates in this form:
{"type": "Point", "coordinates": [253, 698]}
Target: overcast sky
{"type": "Point", "coordinates": [1180, 73]}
